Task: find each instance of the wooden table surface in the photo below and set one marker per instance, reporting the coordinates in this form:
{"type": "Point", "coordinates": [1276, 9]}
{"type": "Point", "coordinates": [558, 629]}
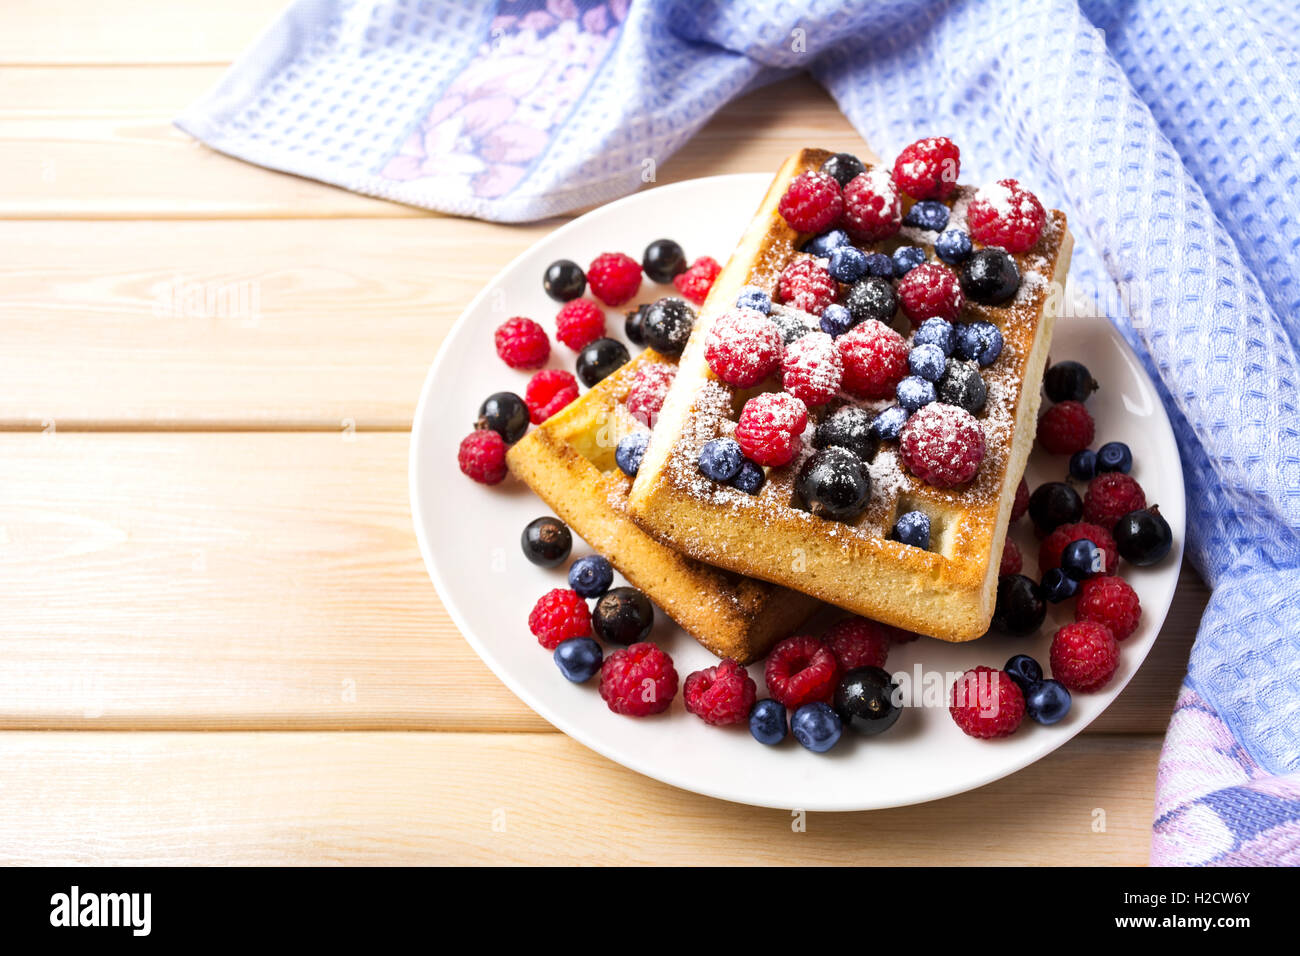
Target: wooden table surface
{"type": "Point", "coordinates": [219, 642]}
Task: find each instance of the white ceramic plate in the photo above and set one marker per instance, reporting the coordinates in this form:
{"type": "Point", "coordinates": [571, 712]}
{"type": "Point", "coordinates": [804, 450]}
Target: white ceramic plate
{"type": "Point", "coordinates": [469, 536]}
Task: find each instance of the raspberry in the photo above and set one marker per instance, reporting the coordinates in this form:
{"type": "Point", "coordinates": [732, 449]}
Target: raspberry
{"type": "Point", "coordinates": [614, 278]}
{"type": "Point", "coordinates": [872, 207]}
{"type": "Point", "coordinates": [812, 369]}
{"type": "Point", "coordinates": [638, 681]}
{"type": "Point", "coordinates": [930, 291]}
{"type": "Point", "coordinates": [743, 347]}
{"type": "Point", "coordinates": [1109, 601]}
{"type": "Point", "coordinates": [1012, 562]}
{"type": "Point", "coordinates": [858, 642]}
{"type": "Point", "coordinates": [1066, 428]}
{"type": "Point", "coordinates": [943, 445]}
{"type": "Point", "coordinates": [812, 202]}
{"type": "Point", "coordinates": [987, 703]}
{"type": "Point", "coordinates": [482, 456]}
{"type": "Point", "coordinates": [801, 670]}
{"type": "Point", "coordinates": [1006, 215]}
{"type": "Point", "coordinates": [1110, 496]}
{"type": "Point", "coordinates": [720, 695]}
{"type": "Point", "coordinates": [579, 323]}
{"type": "Point", "coordinates": [875, 359]}
{"type": "Point", "coordinates": [1084, 656]}
{"type": "Point", "coordinates": [645, 399]}
{"type": "Point", "coordinates": [770, 428]}
{"type": "Point", "coordinates": [1021, 504]}
{"type": "Point", "coordinates": [1049, 552]}
{"type": "Point", "coordinates": [549, 391]}
{"type": "Point", "coordinates": [928, 168]}
{"type": "Point", "coordinates": [558, 615]}
{"type": "Point", "coordinates": [522, 343]}
{"type": "Point", "coordinates": [696, 281]}
{"type": "Point", "coordinates": [805, 285]}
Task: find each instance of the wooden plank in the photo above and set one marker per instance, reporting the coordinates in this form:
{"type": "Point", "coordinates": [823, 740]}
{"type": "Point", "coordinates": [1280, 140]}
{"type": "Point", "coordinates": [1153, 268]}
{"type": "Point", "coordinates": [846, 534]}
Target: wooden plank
{"type": "Point", "coordinates": [269, 580]}
{"type": "Point", "coordinates": [296, 324]}
{"type": "Point", "coordinates": [128, 31]}
{"type": "Point", "coordinates": [415, 798]}
{"type": "Point", "coordinates": [99, 144]}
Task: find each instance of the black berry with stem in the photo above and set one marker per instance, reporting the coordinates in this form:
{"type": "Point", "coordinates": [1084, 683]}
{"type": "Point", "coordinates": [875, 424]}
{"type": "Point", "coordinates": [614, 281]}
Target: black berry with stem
{"type": "Point", "coordinates": [1069, 382]}
{"type": "Point", "coordinates": [546, 541]}
{"type": "Point", "coordinates": [1143, 537]}
{"type": "Point", "coordinates": [1053, 504]}
{"type": "Point", "coordinates": [506, 414]}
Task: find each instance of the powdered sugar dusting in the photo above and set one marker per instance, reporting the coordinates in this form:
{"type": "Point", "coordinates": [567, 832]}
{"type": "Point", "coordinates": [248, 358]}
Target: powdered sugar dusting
{"type": "Point", "coordinates": [716, 404]}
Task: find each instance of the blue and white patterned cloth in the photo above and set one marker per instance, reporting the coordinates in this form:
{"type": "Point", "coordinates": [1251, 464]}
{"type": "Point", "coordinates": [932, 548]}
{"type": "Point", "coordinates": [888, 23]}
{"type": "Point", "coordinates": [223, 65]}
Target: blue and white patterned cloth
{"type": "Point", "coordinates": [1169, 132]}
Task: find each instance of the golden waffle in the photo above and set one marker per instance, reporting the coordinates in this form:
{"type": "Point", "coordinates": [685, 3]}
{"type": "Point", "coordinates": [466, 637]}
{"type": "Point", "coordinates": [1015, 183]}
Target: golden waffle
{"type": "Point", "coordinates": [569, 462]}
{"type": "Point", "coordinates": [947, 592]}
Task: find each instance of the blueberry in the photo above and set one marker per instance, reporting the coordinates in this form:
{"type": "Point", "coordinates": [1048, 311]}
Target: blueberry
{"type": "Point", "coordinates": [721, 458]}
{"type": "Point", "coordinates": [634, 324]}
{"type": "Point", "coordinates": [1083, 464]}
{"type": "Point", "coordinates": [622, 616]}
{"type": "Point", "coordinates": [1069, 382]}
{"type": "Point", "coordinates": [843, 167]}
{"type": "Point", "coordinates": [506, 414]}
{"type": "Point", "coordinates": [866, 700]}
{"type": "Point", "coordinates": [953, 246]}
{"type": "Point", "coordinates": [591, 576]}
{"type": "Point", "coordinates": [1047, 701]}
{"type": "Point", "coordinates": [927, 360]}
{"type": "Point", "coordinates": [907, 258]}
{"type": "Point", "coordinates": [848, 427]}
{"type": "Point", "coordinates": [935, 331]}
{"type": "Point", "coordinates": [564, 280]}
{"type": "Point", "coordinates": [1113, 456]}
{"type": "Point", "coordinates": [880, 265]}
{"type": "Point", "coordinates": [836, 320]}
{"type": "Point", "coordinates": [1143, 537]}
{"type": "Point", "coordinates": [1020, 607]}
{"type": "Point", "coordinates": [872, 298]}
{"type": "Point", "coordinates": [962, 385]}
{"type": "Point", "coordinates": [834, 483]}
{"type": "Point", "coordinates": [989, 277]}
{"type": "Point", "coordinates": [663, 259]}
{"type": "Point", "coordinates": [821, 246]}
{"type": "Point", "coordinates": [915, 392]}
{"type": "Point", "coordinates": [578, 658]}
{"type": "Point", "coordinates": [928, 214]}
{"type": "Point", "coordinates": [817, 727]}
{"type": "Point", "coordinates": [1082, 559]}
{"type": "Point", "coordinates": [913, 527]}
{"type": "Point", "coordinates": [767, 722]}
{"type": "Point", "coordinates": [1024, 670]}
{"type": "Point", "coordinates": [630, 451]}
{"type": "Point", "coordinates": [750, 478]}
{"type": "Point", "coordinates": [1058, 586]}
{"type": "Point", "coordinates": [848, 264]}
{"type": "Point", "coordinates": [1053, 504]}
{"type": "Point", "coordinates": [889, 423]}
{"type": "Point", "coordinates": [546, 541]}
{"type": "Point", "coordinates": [979, 341]}
{"type": "Point", "coordinates": [668, 325]}
{"type": "Point", "coordinates": [790, 323]}
{"type": "Point", "coordinates": [599, 359]}
{"type": "Point", "coordinates": [756, 299]}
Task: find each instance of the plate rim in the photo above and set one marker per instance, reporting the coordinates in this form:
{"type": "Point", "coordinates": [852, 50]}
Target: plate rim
{"type": "Point", "coordinates": [591, 742]}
